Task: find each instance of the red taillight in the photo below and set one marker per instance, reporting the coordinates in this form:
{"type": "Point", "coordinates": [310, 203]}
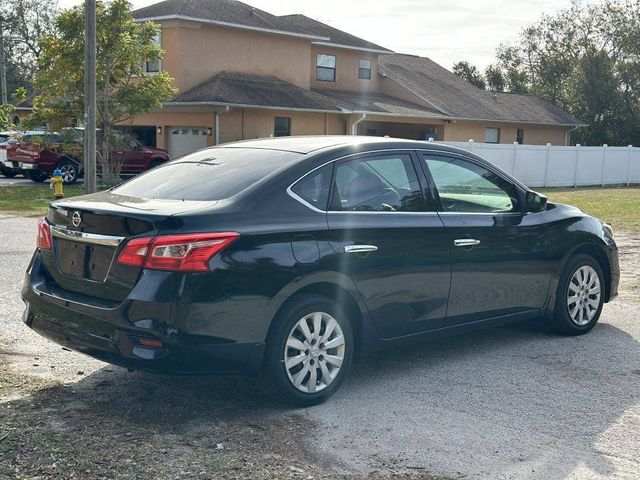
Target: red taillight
{"type": "Point", "coordinates": [135, 252]}
{"type": "Point", "coordinates": [44, 234]}
{"type": "Point", "coordinates": [184, 253]}
{"type": "Point", "coordinates": [149, 342]}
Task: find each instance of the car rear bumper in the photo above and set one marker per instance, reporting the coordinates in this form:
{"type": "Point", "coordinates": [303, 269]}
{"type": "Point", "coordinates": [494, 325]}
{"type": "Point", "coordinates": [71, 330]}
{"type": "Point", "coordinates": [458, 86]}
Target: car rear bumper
{"type": "Point", "coordinates": [106, 332]}
{"type": "Point", "coordinates": [16, 165]}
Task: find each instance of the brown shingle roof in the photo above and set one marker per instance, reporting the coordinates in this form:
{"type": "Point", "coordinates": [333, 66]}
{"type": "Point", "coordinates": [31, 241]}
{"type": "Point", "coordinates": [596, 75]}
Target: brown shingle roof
{"type": "Point", "coordinates": [459, 99]}
{"type": "Point", "coordinates": [222, 11]}
{"type": "Point", "coordinates": [233, 88]}
{"type": "Point", "coordinates": [376, 102]}
{"type": "Point", "coordinates": [336, 36]}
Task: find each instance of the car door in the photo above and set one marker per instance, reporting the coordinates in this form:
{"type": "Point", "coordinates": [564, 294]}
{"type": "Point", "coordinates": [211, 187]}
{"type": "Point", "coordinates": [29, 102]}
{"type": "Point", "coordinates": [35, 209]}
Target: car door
{"type": "Point", "coordinates": [390, 244]}
{"type": "Point", "coordinates": [499, 266]}
{"type": "Point", "coordinates": [133, 157]}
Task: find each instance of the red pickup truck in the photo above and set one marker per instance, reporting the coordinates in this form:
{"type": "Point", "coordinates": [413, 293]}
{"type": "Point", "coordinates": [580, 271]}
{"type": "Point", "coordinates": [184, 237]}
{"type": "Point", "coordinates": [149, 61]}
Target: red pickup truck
{"type": "Point", "coordinates": [38, 163]}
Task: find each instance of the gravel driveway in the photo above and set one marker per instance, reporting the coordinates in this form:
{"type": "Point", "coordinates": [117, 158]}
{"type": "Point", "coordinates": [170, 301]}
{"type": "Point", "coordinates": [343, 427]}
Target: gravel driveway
{"type": "Point", "coordinates": [504, 403]}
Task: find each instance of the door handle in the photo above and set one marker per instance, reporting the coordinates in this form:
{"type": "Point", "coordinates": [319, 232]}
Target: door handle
{"type": "Point", "coordinates": [360, 248]}
{"type": "Point", "coordinates": [465, 242]}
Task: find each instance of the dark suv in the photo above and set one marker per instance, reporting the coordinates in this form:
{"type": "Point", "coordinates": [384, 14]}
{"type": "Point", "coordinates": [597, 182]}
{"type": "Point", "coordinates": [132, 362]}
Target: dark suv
{"type": "Point", "coordinates": [38, 154]}
{"type": "Point", "coordinates": [286, 258]}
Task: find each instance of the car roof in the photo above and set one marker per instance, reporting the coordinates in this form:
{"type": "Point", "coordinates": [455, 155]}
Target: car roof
{"type": "Point", "coordinates": [309, 144]}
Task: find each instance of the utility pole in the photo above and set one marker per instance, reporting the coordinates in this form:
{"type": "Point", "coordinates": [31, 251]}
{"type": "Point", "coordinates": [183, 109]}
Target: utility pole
{"type": "Point", "coordinates": [90, 96]}
{"type": "Point", "coordinates": [3, 67]}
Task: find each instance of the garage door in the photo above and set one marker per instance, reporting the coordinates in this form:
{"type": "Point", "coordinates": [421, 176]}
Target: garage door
{"type": "Point", "coordinates": [183, 140]}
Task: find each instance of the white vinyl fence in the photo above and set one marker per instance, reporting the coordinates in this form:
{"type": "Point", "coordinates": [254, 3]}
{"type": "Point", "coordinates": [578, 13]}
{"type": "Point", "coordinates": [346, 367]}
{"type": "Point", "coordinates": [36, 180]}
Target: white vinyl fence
{"type": "Point", "coordinates": [551, 166]}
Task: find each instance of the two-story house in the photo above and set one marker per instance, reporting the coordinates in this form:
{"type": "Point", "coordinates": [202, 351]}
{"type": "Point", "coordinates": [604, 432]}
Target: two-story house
{"type": "Point", "coordinates": [244, 73]}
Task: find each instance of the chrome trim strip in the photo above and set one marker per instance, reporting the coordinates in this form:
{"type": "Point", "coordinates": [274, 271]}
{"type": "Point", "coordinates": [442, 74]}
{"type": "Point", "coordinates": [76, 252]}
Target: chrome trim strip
{"type": "Point", "coordinates": [465, 242]}
{"type": "Point", "coordinates": [82, 237]}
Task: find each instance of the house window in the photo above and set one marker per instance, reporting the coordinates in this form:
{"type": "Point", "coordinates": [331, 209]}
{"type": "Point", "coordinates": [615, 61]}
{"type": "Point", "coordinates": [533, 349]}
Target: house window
{"type": "Point", "coordinates": [492, 135]}
{"type": "Point", "coordinates": [153, 66]}
{"type": "Point", "coordinates": [282, 127]}
{"type": "Point", "coordinates": [520, 136]}
{"type": "Point", "coordinates": [365, 70]}
{"type": "Point", "coordinates": [326, 68]}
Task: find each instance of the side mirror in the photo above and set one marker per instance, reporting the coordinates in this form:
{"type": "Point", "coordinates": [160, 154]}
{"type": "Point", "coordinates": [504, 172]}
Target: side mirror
{"type": "Point", "coordinates": [536, 202]}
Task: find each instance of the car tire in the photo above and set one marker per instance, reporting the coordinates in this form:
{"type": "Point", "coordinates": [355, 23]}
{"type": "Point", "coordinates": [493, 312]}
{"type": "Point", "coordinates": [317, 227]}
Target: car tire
{"type": "Point", "coordinates": [579, 297]}
{"type": "Point", "coordinates": [70, 171]}
{"type": "Point", "coordinates": [7, 172]}
{"type": "Point", "coordinates": [297, 376]}
{"type": "Point", "coordinates": [38, 176]}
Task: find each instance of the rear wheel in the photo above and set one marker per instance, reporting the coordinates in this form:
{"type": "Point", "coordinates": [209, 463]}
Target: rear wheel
{"type": "Point", "coordinates": [309, 351]}
{"type": "Point", "coordinates": [580, 296]}
{"type": "Point", "coordinates": [9, 173]}
{"type": "Point", "coordinates": [70, 171]}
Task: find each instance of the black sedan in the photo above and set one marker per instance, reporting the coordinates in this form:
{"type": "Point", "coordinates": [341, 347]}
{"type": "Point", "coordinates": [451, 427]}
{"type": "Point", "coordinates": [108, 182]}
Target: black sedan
{"type": "Point", "coordinates": [288, 258]}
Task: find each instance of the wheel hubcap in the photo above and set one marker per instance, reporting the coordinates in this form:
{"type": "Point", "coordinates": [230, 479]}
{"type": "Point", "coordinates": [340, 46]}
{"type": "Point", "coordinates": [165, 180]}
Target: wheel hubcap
{"type": "Point", "coordinates": [583, 295]}
{"type": "Point", "coordinates": [314, 352]}
{"type": "Point", "coordinates": [68, 173]}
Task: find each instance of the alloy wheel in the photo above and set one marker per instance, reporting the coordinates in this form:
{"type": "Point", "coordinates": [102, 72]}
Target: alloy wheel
{"type": "Point", "coordinates": [68, 173]}
{"type": "Point", "coordinates": [584, 295]}
{"type": "Point", "coordinates": [314, 352]}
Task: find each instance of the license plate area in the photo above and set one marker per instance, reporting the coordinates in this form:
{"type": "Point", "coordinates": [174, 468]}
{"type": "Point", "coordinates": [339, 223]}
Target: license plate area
{"type": "Point", "coordinates": [82, 260]}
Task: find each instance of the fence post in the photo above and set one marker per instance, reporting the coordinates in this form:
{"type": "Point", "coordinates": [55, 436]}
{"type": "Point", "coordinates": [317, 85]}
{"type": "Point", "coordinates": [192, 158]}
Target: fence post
{"type": "Point", "coordinates": [629, 165]}
{"type": "Point", "coordinates": [604, 162]}
{"type": "Point", "coordinates": [546, 166]}
{"type": "Point", "coordinates": [575, 167]}
{"type": "Point", "coordinates": [514, 160]}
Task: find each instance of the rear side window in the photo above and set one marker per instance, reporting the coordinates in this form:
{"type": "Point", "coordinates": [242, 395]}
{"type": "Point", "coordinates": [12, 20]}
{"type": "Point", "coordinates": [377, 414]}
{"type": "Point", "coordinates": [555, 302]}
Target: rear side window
{"type": "Point", "coordinates": [385, 183]}
{"type": "Point", "coordinates": [314, 188]}
{"type": "Point", "coordinates": [207, 175]}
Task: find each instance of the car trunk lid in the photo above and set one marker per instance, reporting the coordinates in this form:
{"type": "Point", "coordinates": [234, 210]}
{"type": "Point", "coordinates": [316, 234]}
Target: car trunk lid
{"type": "Point", "coordinates": [88, 234]}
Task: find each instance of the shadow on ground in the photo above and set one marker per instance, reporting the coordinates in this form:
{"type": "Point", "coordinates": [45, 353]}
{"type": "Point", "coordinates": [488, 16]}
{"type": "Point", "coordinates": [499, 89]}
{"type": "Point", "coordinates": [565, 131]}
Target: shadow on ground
{"type": "Point", "coordinates": [512, 402]}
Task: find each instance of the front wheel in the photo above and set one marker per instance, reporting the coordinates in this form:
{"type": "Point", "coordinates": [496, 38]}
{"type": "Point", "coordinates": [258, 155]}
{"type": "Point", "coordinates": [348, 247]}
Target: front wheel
{"type": "Point", "coordinates": [309, 351]}
{"type": "Point", "coordinates": [580, 296]}
{"type": "Point", "coordinates": [9, 173]}
{"type": "Point", "coordinates": [70, 171]}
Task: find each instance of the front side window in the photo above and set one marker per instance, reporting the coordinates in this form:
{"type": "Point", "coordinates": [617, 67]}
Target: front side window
{"type": "Point", "coordinates": [386, 183]}
{"type": "Point", "coordinates": [153, 66]}
{"type": "Point", "coordinates": [491, 135]}
{"type": "Point", "coordinates": [282, 127]}
{"type": "Point", "coordinates": [466, 187]}
{"type": "Point", "coordinates": [326, 68]}
{"type": "Point", "coordinates": [314, 188]}
{"type": "Point", "coordinates": [365, 70]}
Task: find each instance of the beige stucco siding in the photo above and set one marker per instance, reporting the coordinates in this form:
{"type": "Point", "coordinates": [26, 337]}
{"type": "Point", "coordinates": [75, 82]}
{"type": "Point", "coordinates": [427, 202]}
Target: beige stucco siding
{"type": "Point", "coordinates": [347, 69]}
{"type": "Point", "coordinates": [462, 131]}
{"type": "Point", "coordinates": [195, 52]}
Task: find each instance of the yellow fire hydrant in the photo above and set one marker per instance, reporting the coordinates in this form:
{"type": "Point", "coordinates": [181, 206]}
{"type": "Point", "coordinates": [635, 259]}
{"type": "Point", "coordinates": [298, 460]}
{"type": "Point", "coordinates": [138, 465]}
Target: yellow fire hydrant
{"type": "Point", "coordinates": [56, 184]}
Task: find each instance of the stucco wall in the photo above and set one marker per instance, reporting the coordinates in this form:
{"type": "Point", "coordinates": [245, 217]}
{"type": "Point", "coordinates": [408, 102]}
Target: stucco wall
{"type": "Point", "coordinates": [462, 131]}
{"type": "Point", "coordinates": [347, 69]}
{"type": "Point", "coordinates": [195, 52]}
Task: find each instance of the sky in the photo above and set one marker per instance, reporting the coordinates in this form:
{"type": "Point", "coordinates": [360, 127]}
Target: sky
{"type": "Point", "coordinates": [443, 31]}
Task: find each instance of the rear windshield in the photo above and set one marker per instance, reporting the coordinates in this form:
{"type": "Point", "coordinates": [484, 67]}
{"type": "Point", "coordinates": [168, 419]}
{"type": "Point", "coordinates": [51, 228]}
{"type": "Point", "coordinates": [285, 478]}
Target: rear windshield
{"type": "Point", "coordinates": [207, 175]}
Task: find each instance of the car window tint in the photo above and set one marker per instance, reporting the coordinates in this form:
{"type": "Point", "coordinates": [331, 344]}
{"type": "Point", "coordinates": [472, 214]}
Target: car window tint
{"type": "Point", "coordinates": [212, 174]}
{"type": "Point", "coordinates": [314, 188]}
{"type": "Point", "coordinates": [464, 186]}
{"type": "Point", "coordinates": [378, 184]}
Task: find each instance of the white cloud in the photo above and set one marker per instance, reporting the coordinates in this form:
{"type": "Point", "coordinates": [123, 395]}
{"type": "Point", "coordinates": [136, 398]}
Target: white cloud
{"type": "Point", "coordinates": [444, 32]}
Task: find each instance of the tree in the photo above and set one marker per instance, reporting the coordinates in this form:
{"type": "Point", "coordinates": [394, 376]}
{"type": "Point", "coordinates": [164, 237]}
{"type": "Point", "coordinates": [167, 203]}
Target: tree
{"type": "Point", "coordinates": [25, 22]}
{"type": "Point", "coordinates": [496, 81]}
{"type": "Point", "coordinates": [124, 90]}
{"type": "Point", "coordinates": [585, 59]}
{"type": "Point", "coordinates": [470, 73]}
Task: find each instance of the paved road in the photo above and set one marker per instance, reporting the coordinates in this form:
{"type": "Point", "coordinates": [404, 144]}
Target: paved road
{"type": "Point", "coordinates": [508, 403]}
{"type": "Point", "coordinates": [10, 182]}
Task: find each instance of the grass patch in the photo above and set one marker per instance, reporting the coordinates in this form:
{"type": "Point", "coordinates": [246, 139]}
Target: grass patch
{"type": "Point", "coordinates": [619, 206]}
{"type": "Point", "coordinates": [32, 200]}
